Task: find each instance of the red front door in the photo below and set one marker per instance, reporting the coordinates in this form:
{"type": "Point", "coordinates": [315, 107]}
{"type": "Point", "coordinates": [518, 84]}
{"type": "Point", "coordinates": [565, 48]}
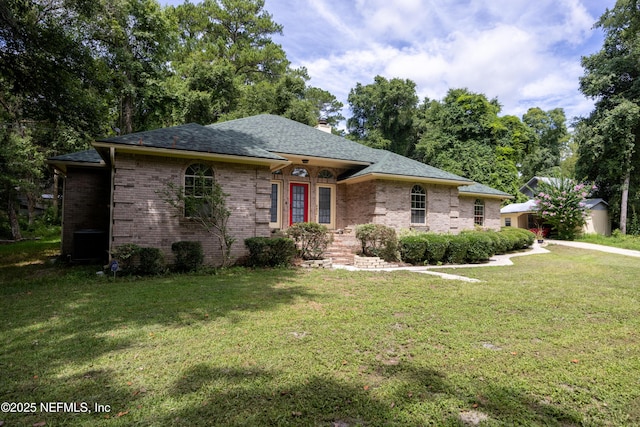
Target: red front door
{"type": "Point", "coordinates": [299, 203]}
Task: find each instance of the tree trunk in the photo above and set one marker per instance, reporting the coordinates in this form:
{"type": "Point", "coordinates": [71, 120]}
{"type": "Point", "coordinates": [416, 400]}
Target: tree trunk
{"type": "Point", "coordinates": [55, 195]}
{"type": "Point", "coordinates": [31, 207]}
{"type": "Point", "coordinates": [126, 119]}
{"type": "Point", "coordinates": [13, 218]}
{"type": "Point", "coordinates": [624, 202]}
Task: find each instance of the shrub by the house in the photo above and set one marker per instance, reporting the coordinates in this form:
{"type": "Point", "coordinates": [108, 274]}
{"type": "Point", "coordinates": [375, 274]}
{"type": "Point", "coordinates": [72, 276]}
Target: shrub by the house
{"type": "Point", "coordinates": [466, 247]}
{"type": "Point", "coordinates": [143, 261]}
{"type": "Point", "coordinates": [378, 240]}
{"type": "Point", "coordinates": [312, 239]}
{"type": "Point", "coordinates": [480, 247]}
{"type": "Point", "coordinates": [519, 238]}
{"type": "Point", "coordinates": [270, 251]}
{"type": "Point", "coordinates": [188, 255]}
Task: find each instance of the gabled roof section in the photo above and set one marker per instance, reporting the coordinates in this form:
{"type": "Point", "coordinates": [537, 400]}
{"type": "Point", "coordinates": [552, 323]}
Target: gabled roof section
{"type": "Point", "coordinates": [394, 166]}
{"type": "Point", "coordinates": [193, 138]}
{"type": "Point", "coordinates": [528, 206]}
{"type": "Point", "coordinates": [477, 189]}
{"type": "Point", "coordinates": [284, 136]}
{"type": "Point", "coordinates": [287, 137]}
{"type": "Point", "coordinates": [86, 158]}
{"type": "Point", "coordinates": [532, 185]}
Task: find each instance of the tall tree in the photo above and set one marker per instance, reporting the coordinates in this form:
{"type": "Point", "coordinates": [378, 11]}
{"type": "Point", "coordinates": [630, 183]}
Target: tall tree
{"type": "Point", "coordinates": [463, 134]}
{"type": "Point", "coordinates": [609, 149]}
{"type": "Point", "coordinates": [134, 38]}
{"type": "Point", "coordinates": [384, 114]}
{"type": "Point", "coordinates": [543, 155]}
{"type": "Point", "coordinates": [49, 81]}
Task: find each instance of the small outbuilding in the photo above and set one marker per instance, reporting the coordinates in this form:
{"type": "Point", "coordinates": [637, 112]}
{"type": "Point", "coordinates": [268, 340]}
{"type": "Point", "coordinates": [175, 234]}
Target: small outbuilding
{"type": "Point", "coordinates": [525, 215]}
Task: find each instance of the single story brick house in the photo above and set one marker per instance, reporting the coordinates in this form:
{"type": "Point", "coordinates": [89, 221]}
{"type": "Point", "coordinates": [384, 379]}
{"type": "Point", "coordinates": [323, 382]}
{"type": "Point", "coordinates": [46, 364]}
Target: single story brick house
{"type": "Point", "coordinates": [525, 215]}
{"type": "Point", "coordinates": [275, 171]}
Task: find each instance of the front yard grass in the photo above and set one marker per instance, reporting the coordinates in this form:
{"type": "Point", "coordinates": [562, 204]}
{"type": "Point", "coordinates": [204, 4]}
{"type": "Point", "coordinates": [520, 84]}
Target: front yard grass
{"type": "Point", "coordinates": [619, 241]}
{"type": "Point", "coordinates": [553, 340]}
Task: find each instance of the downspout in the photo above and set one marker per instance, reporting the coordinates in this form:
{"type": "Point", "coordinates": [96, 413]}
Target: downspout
{"type": "Point", "coordinates": [112, 159]}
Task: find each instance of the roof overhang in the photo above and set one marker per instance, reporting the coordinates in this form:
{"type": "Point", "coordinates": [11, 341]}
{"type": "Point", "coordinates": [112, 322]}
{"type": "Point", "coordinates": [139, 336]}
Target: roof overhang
{"type": "Point", "coordinates": [404, 178]}
{"type": "Point", "coordinates": [485, 195]}
{"type": "Point", "coordinates": [187, 154]}
{"type": "Point", "coordinates": [321, 161]}
{"type": "Point", "coordinates": [62, 165]}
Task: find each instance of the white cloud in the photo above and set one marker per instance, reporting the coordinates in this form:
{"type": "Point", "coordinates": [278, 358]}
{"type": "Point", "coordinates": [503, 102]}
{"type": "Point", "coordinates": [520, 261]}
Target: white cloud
{"type": "Point", "coordinates": [516, 50]}
{"type": "Point", "coordinates": [526, 53]}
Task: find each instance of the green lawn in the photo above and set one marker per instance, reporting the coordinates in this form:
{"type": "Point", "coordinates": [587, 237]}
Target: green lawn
{"type": "Point", "coordinates": [553, 340]}
{"type": "Point", "coordinates": [618, 241]}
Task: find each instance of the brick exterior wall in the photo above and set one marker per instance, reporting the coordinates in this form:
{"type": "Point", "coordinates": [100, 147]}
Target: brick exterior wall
{"type": "Point", "coordinates": [85, 204]}
{"type": "Point", "coordinates": [491, 213]}
{"type": "Point", "coordinates": [389, 203]}
{"type": "Point", "coordinates": [140, 216]}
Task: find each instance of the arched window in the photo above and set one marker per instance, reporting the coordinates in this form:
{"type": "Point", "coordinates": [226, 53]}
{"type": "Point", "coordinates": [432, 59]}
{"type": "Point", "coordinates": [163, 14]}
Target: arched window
{"type": "Point", "coordinates": [198, 185]}
{"type": "Point", "coordinates": [326, 174]}
{"type": "Point", "coordinates": [418, 205]}
{"type": "Point", "coordinates": [478, 212]}
{"type": "Point", "coordinates": [300, 172]}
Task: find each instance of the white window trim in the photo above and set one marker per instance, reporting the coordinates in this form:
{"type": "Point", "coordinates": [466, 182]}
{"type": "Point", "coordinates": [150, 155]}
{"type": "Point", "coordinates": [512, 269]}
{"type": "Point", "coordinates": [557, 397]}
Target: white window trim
{"type": "Point", "coordinates": [483, 216]}
{"type": "Point", "coordinates": [278, 223]}
{"type": "Point", "coordinates": [411, 208]}
{"type": "Point", "coordinates": [332, 224]}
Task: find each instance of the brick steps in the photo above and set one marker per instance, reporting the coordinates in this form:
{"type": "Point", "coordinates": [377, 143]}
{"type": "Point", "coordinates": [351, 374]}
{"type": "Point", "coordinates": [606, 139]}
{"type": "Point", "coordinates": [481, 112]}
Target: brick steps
{"type": "Point", "coordinates": [343, 249]}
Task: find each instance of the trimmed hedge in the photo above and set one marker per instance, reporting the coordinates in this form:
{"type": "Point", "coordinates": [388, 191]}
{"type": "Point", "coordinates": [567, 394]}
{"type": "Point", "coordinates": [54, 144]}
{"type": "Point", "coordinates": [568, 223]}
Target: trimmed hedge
{"type": "Point", "coordinates": [142, 261]}
{"type": "Point", "coordinates": [464, 248]}
{"type": "Point", "coordinates": [188, 255]}
{"type": "Point", "coordinates": [413, 248]}
{"type": "Point", "coordinates": [270, 251]}
{"type": "Point", "coordinates": [479, 246]}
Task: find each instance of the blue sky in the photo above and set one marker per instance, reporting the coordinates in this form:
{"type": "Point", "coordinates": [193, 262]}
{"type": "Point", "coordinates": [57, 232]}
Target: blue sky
{"type": "Point", "coordinates": [526, 53]}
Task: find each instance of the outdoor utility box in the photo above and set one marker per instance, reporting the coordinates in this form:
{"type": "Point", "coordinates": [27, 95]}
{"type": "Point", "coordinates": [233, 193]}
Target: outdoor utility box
{"type": "Point", "coordinates": [90, 245]}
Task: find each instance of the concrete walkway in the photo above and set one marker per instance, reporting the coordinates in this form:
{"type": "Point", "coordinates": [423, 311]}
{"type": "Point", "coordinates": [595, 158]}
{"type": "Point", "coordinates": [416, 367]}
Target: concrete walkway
{"type": "Point", "coordinates": [495, 261]}
{"type": "Point", "coordinates": [594, 247]}
{"type": "Point", "coordinates": [500, 260]}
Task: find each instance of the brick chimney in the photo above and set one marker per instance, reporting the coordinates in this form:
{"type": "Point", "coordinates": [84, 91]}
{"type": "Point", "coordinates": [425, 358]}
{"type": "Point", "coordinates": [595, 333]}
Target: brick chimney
{"type": "Point", "coordinates": [323, 126]}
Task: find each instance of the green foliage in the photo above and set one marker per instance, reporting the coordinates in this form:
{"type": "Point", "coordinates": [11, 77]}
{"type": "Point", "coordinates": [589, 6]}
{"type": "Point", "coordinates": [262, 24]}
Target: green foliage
{"type": "Point", "coordinates": [270, 251]}
{"type": "Point", "coordinates": [126, 255]}
{"type": "Point", "coordinates": [608, 138]}
{"type": "Point", "coordinates": [464, 248]}
{"type": "Point", "coordinates": [413, 248]}
{"type": "Point", "coordinates": [312, 239]}
{"type": "Point", "coordinates": [480, 247]}
{"type": "Point", "coordinates": [378, 240]}
{"type": "Point", "coordinates": [384, 114]}
{"type": "Point", "coordinates": [457, 251]}
{"type": "Point", "coordinates": [543, 153]}
{"type": "Point", "coordinates": [463, 134]}
{"type": "Point", "coordinates": [188, 255]}
{"type": "Point", "coordinates": [142, 261]}
{"type": "Point", "coordinates": [437, 245]}
{"type": "Point", "coordinates": [561, 204]}
{"type": "Point", "coordinates": [151, 262]}
{"type": "Point", "coordinates": [206, 207]}
{"type": "Point", "coordinates": [519, 238]}
{"type": "Point", "coordinates": [501, 243]}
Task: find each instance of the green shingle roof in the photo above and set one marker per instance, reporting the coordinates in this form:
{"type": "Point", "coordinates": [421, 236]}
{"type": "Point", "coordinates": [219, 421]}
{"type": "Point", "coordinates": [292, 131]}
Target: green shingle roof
{"type": "Point", "coordinates": [197, 138]}
{"type": "Point", "coordinates": [281, 135]}
{"type": "Point", "coordinates": [86, 156]}
{"type": "Point", "coordinates": [273, 137]}
{"type": "Point", "coordinates": [477, 188]}
{"type": "Point", "coordinates": [388, 163]}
